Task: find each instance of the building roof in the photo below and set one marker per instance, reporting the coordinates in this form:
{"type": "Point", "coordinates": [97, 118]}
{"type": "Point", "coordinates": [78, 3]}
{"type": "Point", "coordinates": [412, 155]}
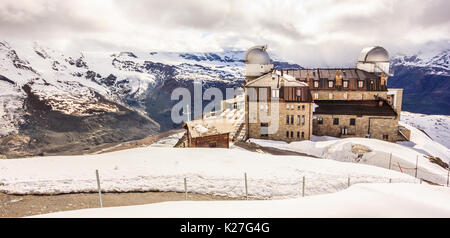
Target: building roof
{"type": "Point", "coordinates": [200, 128]}
{"type": "Point", "coordinates": [354, 107]}
{"type": "Point", "coordinates": [274, 80]}
{"type": "Point", "coordinates": [329, 73]}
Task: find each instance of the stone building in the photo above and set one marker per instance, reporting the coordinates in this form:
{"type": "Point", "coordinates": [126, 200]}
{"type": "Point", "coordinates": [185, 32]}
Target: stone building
{"type": "Point", "coordinates": [338, 102]}
{"type": "Point", "coordinates": [277, 106]}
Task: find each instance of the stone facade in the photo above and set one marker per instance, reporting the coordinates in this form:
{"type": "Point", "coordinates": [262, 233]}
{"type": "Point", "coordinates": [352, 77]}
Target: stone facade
{"type": "Point", "coordinates": [299, 127]}
{"type": "Point", "coordinates": [347, 95]}
{"type": "Point", "coordinates": [378, 127]}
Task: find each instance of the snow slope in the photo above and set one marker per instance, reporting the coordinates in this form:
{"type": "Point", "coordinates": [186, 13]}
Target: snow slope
{"type": "Point", "coordinates": [436, 126]}
{"type": "Point", "coordinates": [208, 171]}
{"type": "Point", "coordinates": [360, 200]}
{"type": "Point", "coordinates": [373, 152]}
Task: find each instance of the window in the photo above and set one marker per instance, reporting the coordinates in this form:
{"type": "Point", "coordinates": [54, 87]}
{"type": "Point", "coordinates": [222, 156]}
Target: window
{"type": "Point", "coordinates": [298, 119]}
{"type": "Point", "coordinates": [320, 120]}
{"type": "Point", "coordinates": [298, 107]}
{"type": "Point", "coordinates": [275, 93]}
{"type": "Point", "coordinates": [314, 73]}
{"type": "Point", "coordinates": [303, 107]}
{"type": "Point", "coordinates": [344, 131]}
{"type": "Point", "coordinates": [298, 134]}
{"type": "Point", "coordinates": [330, 84]}
{"type": "Point", "coordinates": [292, 119]}
{"type": "Point", "coordinates": [303, 134]}
{"type": "Point", "coordinates": [287, 106]}
{"type": "Point", "coordinates": [287, 119]}
{"type": "Point", "coordinates": [360, 84]}
{"type": "Point", "coordinates": [335, 121]}
{"type": "Point", "coordinates": [299, 93]}
{"type": "Point", "coordinates": [316, 83]}
{"type": "Point", "coordinates": [345, 84]}
{"type": "Point", "coordinates": [292, 134]}
{"type": "Point", "coordinates": [345, 96]}
{"type": "Point", "coordinates": [264, 129]}
{"type": "Point", "coordinates": [385, 137]}
{"type": "Point", "coordinates": [303, 119]}
{"type": "Point", "coordinates": [330, 96]}
{"type": "Point", "coordinates": [213, 144]}
{"type": "Point", "coordinates": [287, 134]}
{"type": "Point", "coordinates": [352, 121]}
{"type": "Point", "coordinates": [316, 96]}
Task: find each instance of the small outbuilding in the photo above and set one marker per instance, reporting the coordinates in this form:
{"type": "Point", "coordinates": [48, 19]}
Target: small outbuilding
{"type": "Point", "coordinates": [208, 133]}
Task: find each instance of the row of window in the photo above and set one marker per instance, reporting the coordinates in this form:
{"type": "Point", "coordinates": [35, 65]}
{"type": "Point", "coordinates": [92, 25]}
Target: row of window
{"type": "Point", "coordinates": [290, 119]}
{"type": "Point", "coordinates": [290, 134]}
{"type": "Point", "coordinates": [276, 93]}
{"type": "Point", "coordinates": [331, 96]}
{"type": "Point", "coordinates": [292, 107]}
{"type": "Point", "coordinates": [336, 121]}
{"type": "Point", "coordinates": [344, 83]}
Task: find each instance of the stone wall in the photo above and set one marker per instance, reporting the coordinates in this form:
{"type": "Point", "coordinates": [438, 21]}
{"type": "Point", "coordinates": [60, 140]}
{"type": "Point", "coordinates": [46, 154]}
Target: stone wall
{"type": "Point", "coordinates": [351, 95]}
{"type": "Point", "coordinates": [376, 126]}
{"type": "Point", "coordinates": [295, 109]}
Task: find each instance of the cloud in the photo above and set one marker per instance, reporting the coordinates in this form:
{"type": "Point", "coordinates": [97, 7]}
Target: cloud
{"type": "Point", "coordinates": [311, 32]}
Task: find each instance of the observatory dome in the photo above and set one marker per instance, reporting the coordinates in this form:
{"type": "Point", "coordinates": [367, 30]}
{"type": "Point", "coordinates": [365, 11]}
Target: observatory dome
{"type": "Point", "coordinates": [257, 55]}
{"type": "Point", "coordinates": [374, 54]}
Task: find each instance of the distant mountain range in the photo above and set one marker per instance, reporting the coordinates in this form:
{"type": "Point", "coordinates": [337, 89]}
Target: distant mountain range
{"type": "Point", "coordinates": [53, 103]}
{"type": "Point", "coordinates": [425, 79]}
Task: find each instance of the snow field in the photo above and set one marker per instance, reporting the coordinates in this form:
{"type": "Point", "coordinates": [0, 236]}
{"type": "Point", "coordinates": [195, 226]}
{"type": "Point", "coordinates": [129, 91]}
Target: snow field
{"type": "Point", "coordinates": [208, 171]}
{"type": "Point", "coordinates": [361, 200]}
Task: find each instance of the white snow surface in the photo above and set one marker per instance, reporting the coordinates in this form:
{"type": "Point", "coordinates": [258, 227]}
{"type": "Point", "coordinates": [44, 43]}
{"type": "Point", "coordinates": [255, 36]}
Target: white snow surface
{"type": "Point", "coordinates": [360, 200]}
{"type": "Point", "coordinates": [208, 171]}
{"type": "Point", "coordinates": [436, 126]}
{"type": "Point", "coordinates": [341, 150]}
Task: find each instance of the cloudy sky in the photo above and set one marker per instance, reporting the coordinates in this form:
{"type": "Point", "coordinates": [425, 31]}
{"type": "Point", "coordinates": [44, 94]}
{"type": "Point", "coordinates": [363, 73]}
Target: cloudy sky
{"type": "Point", "coordinates": [311, 33]}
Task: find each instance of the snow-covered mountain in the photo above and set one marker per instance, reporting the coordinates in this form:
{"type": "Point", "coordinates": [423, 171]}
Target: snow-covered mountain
{"type": "Point", "coordinates": [425, 78]}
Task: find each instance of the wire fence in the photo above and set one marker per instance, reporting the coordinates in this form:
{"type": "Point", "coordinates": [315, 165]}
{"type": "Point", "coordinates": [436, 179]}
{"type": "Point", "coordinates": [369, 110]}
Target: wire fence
{"type": "Point", "coordinates": [247, 187]}
{"type": "Point", "coordinates": [422, 168]}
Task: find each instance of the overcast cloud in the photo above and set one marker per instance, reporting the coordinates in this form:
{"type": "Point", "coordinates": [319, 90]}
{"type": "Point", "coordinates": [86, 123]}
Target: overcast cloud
{"type": "Point", "coordinates": [311, 33]}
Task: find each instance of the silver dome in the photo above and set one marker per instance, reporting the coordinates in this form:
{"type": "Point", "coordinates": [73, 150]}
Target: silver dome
{"type": "Point", "coordinates": [257, 55]}
{"type": "Point", "coordinates": [374, 54]}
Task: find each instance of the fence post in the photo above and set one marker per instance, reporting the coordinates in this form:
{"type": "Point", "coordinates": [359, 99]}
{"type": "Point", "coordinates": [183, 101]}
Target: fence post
{"type": "Point", "coordinates": [303, 187]}
{"type": "Point", "coordinates": [417, 161]}
{"type": "Point", "coordinates": [185, 189]}
{"type": "Point", "coordinates": [448, 173]}
{"type": "Point", "coordinates": [390, 161]}
{"type": "Point", "coordinates": [348, 182]}
{"type": "Point", "coordinates": [99, 188]}
{"type": "Point", "coordinates": [246, 188]}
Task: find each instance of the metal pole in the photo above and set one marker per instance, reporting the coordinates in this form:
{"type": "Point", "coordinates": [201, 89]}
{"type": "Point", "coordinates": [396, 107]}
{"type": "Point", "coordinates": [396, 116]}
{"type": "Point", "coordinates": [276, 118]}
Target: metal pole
{"type": "Point", "coordinates": [303, 187]}
{"type": "Point", "coordinates": [390, 161]}
{"type": "Point", "coordinates": [185, 189]}
{"type": "Point", "coordinates": [417, 161]}
{"type": "Point", "coordinates": [448, 173]}
{"type": "Point", "coordinates": [348, 182]}
{"type": "Point", "coordinates": [99, 188]}
{"type": "Point", "coordinates": [246, 188]}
